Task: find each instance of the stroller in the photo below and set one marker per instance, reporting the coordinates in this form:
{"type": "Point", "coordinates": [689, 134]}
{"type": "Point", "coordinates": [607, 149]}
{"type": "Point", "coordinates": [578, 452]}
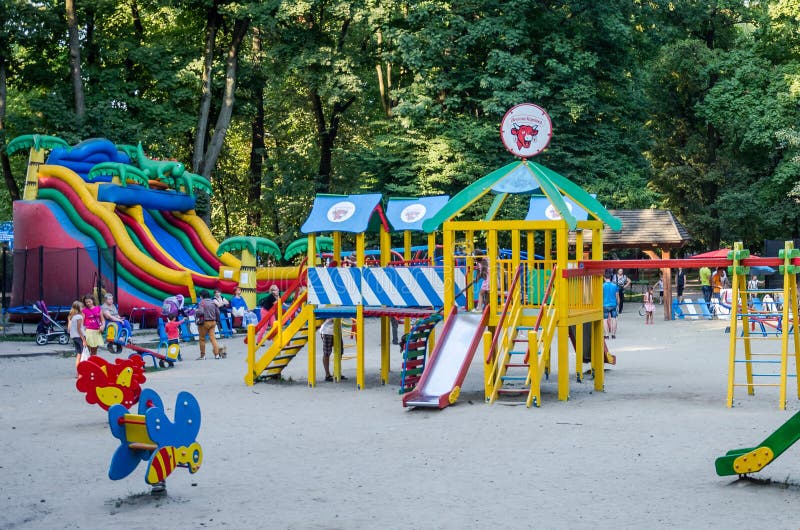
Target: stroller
{"type": "Point", "coordinates": [48, 328]}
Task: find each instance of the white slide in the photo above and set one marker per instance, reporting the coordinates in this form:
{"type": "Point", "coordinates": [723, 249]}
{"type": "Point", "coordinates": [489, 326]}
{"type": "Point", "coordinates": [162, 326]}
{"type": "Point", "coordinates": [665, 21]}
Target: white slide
{"type": "Point", "coordinates": [448, 364]}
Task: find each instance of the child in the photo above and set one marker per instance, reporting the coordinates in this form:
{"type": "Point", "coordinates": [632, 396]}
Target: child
{"type": "Point", "coordinates": [649, 306]}
{"type": "Point", "coordinates": [75, 326]}
{"type": "Point", "coordinates": [93, 323]}
{"type": "Point", "coordinates": [660, 287]}
{"type": "Point", "coordinates": [172, 327]}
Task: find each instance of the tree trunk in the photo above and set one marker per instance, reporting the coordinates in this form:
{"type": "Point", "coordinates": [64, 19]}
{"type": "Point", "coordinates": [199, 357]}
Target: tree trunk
{"type": "Point", "coordinates": [212, 25]}
{"type": "Point", "coordinates": [257, 149]}
{"type": "Point", "coordinates": [228, 97]}
{"type": "Point", "coordinates": [326, 137]}
{"type": "Point", "coordinates": [8, 178]}
{"type": "Point", "coordinates": [384, 79]}
{"type": "Point", "coordinates": [75, 60]}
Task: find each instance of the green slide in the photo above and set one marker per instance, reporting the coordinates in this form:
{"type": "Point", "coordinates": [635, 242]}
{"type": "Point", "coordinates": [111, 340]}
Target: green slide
{"type": "Point", "coordinates": [752, 459]}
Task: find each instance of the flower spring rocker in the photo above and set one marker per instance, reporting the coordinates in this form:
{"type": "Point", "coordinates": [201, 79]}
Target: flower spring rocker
{"type": "Point", "coordinates": [150, 436]}
{"type": "Point", "coordinates": [107, 384]}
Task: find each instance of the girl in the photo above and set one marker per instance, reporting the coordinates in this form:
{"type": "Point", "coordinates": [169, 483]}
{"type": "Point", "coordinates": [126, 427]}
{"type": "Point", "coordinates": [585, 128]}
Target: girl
{"type": "Point", "coordinates": [173, 329]}
{"type": "Point", "coordinates": [75, 326]}
{"type": "Point", "coordinates": [649, 306]}
{"type": "Point", "coordinates": [94, 323]}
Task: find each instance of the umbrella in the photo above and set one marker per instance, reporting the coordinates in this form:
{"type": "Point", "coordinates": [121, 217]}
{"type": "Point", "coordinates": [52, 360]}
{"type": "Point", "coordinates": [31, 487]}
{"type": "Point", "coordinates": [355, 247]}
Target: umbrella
{"type": "Point", "coordinates": [723, 253]}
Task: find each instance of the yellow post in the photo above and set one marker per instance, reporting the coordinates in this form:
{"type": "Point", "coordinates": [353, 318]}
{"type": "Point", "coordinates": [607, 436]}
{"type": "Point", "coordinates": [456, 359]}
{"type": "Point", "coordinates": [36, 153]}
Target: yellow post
{"type": "Point", "coordinates": [312, 349]}
{"type": "Point", "coordinates": [337, 248]}
{"type": "Point", "coordinates": [386, 247]}
{"type": "Point", "coordinates": [562, 312]}
{"type": "Point", "coordinates": [249, 377]}
{"type": "Point", "coordinates": [515, 260]}
{"type": "Point", "coordinates": [738, 300]}
{"type": "Point", "coordinates": [598, 349]}
{"type": "Point", "coordinates": [360, 347]}
{"type": "Point", "coordinates": [491, 251]}
{"type": "Point", "coordinates": [448, 262]}
{"type": "Point", "coordinates": [360, 250]}
{"type": "Point", "coordinates": [470, 267]}
{"type": "Point", "coordinates": [488, 372]}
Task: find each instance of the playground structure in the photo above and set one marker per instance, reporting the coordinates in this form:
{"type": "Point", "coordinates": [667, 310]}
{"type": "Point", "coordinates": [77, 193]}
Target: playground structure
{"type": "Point", "coordinates": [150, 436]}
{"type": "Point", "coordinates": [744, 315]}
{"type": "Point", "coordinates": [550, 293]}
{"type": "Point", "coordinates": [103, 216]}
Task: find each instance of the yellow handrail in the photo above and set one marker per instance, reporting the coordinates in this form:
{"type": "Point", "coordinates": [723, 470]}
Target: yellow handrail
{"type": "Point", "coordinates": [503, 340]}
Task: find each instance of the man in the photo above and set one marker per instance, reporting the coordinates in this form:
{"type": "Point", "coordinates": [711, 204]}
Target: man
{"type": "Point", "coordinates": [705, 285]}
{"type": "Point", "coordinates": [206, 315]}
{"type": "Point", "coordinates": [610, 300]}
{"type": "Point", "coordinates": [622, 282]}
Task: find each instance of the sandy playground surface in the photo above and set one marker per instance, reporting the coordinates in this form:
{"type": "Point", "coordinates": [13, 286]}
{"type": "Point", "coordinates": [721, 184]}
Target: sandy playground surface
{"type": "Point", "coordinates": [281, 455]}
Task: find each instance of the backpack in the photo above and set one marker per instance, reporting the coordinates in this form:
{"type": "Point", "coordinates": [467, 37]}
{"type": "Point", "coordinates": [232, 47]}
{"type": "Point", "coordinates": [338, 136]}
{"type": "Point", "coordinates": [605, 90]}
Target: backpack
{"type": "Point", "coordinates": [200, 313]}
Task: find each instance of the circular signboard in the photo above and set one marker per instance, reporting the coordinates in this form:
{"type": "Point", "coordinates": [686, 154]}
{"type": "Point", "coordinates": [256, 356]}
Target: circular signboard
{"type": "Point", "coordinates": [526, 130]}
{"type": "Point", "coordinates": [551, 213]}
{"type": "Point", "coordinates": [413, 213]}
{"type": "Point", "coordinates": [341, 211]}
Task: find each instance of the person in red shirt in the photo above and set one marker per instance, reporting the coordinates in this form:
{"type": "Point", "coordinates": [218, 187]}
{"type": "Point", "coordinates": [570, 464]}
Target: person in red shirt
{"type": "Point", "coordinates": [172, 327]}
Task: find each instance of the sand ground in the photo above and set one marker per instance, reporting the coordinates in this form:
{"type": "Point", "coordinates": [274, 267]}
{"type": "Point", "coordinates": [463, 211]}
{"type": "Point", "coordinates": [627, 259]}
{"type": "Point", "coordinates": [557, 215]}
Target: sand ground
{"type": "Point", "coordinates": [281, 455]}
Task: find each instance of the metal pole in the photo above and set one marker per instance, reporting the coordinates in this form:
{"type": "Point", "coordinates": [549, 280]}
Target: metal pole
{"type": "Point", "coordinates": [41, 272]}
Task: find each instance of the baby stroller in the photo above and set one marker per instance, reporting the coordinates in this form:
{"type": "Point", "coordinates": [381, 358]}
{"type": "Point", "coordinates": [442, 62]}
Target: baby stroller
{"type": "Point", "coordinates": [48, 328]}
{"type": "Point", "coordinates": [173, 307]}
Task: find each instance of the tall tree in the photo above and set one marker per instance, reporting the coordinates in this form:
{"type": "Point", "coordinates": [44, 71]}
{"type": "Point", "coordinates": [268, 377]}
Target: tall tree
{"type": "Point", "coordinates": [75, 60]}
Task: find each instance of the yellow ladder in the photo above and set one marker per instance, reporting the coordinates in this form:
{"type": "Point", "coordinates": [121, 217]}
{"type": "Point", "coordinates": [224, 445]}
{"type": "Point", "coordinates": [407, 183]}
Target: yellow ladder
{"type": "Point", "coordinates": [743, 315]}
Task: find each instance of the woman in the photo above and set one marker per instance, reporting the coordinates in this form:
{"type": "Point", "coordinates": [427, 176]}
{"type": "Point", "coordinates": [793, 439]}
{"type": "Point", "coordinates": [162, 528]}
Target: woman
{"type": "Point", "coordinates": [93, 323]}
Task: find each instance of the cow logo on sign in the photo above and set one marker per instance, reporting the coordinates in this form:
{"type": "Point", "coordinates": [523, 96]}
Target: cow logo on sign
{"type": "Point", "coordinates": [341, 211]}
{"type": "Point", "coordinates": [413, 213]}
{"type": "Point", "coordinates": [551, 213]}
{"type": "Point", "coordinates": [526, 130]}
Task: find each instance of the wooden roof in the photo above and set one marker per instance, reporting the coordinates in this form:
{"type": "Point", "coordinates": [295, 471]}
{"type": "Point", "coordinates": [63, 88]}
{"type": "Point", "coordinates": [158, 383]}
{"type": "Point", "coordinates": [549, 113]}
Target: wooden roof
{"type": "Point", "coordinates": [644, 229]}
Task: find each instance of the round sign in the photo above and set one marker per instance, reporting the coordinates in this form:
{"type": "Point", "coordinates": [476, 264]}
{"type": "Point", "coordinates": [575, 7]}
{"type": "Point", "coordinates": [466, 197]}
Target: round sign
{"type": "Point", "coordinates": [413, 213]}
{"type": "Point", "coordinates": [341, 211]}
{"type": "Point", "coordinates": [551, 213]}
{"type": "Point", "coordinates": [526, 130]}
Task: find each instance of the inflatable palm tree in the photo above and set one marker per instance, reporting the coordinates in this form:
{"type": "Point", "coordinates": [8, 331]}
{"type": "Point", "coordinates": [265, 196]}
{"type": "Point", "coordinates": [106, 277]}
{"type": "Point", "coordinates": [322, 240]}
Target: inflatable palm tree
{"type": "Point", "coordinates": [300, 247]}
{"type": "Point", "coordinates": [188, 183]}
{"type": "Point", "coordinates": [37, 143]}
{"type": "Point", "coordinates": [250, 247]}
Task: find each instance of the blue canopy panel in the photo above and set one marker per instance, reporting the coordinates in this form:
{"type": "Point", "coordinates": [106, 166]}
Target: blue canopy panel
{"type": "Point", "coordinates": [519, 180]}
{"type": "Point", "coordinates": [408, 214]}
{"type": "Point", "coordinates": [131, 195]}
{"type": "Point", "coordinates": [87, 154]}
{"type": "Point", "coordinates": [541, 209]}
{"type": "Point", "coordinates": [345, 213]}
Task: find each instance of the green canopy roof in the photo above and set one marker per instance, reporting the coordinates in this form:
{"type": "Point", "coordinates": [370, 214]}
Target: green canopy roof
{"type": "Point", "coordinates": [524, 176]}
